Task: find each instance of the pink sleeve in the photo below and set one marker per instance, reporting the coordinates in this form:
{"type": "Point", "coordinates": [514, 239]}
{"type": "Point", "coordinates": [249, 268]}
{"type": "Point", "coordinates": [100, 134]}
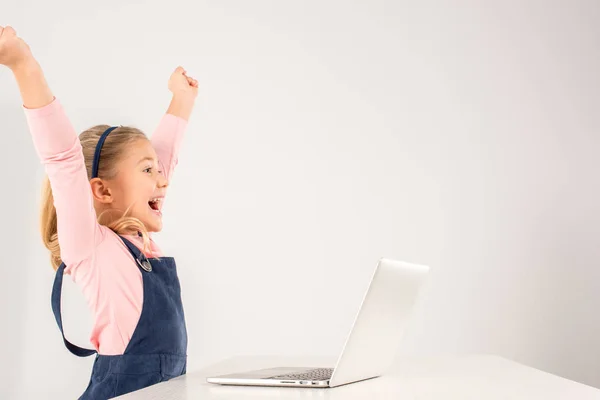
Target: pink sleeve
{"type": "Point", "coordinates": [58, 147]}
{"type": "Point", "coordinates": [166, 141]}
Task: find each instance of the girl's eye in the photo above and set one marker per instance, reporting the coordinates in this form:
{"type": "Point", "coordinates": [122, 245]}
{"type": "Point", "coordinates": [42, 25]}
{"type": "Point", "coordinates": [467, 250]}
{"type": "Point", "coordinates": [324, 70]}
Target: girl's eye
{"type": "Point", "coordinates": [148, 169]}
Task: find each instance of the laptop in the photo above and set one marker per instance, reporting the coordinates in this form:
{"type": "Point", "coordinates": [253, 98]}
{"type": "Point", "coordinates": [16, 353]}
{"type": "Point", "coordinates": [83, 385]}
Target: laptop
{"type": "Point", "coordinates": [373, 341]}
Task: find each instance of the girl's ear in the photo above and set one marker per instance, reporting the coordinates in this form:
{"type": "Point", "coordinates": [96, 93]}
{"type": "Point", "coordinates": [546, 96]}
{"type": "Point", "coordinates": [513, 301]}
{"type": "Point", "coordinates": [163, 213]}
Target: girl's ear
{"type": "Point", "coordinates": [100, 191]}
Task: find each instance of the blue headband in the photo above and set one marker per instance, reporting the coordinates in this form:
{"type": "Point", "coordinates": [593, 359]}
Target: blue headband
{"type": "Point", "coordinates": [97, 154]}
{"type": "Point", "coordinates": [98, 148]}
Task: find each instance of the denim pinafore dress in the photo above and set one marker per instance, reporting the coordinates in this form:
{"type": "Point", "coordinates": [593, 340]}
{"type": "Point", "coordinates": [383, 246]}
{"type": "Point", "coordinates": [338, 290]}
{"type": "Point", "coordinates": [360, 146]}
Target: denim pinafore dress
{"type": "Point", "coordinates": [157, 350]}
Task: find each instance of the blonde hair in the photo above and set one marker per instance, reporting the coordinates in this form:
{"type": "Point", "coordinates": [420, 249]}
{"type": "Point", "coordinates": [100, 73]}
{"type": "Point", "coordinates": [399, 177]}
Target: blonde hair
{"type": "Point", "coordinates": [113, 150]}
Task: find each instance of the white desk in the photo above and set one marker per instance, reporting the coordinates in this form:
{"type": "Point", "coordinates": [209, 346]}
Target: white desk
{"type": "Point", "coordinates": [477, 377]}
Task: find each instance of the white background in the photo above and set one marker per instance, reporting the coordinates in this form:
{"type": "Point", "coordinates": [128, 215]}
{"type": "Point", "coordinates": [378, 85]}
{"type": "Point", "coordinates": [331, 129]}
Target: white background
{"type": "Point", "coordinates": [460, 134]}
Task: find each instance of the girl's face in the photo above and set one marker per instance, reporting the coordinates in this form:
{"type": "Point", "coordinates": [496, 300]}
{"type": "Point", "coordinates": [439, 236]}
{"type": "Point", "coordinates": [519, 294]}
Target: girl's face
{"type": "Point", "coordinates": [139, 184]}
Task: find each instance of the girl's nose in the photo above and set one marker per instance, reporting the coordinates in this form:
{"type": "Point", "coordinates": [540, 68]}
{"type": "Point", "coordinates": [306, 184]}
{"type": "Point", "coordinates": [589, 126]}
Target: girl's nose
{"type": "Point", "coordinates": [162, 181]}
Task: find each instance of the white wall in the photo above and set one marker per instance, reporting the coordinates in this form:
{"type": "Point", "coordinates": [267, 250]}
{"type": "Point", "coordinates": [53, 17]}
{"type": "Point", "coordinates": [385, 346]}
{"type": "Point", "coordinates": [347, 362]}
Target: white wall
{"type": "Point", "coordinates": [327, 134]}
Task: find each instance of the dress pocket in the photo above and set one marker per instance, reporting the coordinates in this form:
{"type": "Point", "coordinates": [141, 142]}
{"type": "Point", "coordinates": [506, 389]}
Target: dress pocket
{"type": "Point", "coordinates": [127, 383]}
{"type": "Point", "coordinates": [167, 377]}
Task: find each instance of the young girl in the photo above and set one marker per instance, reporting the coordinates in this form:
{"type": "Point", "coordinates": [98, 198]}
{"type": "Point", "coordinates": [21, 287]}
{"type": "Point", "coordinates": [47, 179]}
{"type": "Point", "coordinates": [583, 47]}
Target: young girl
{"type": "Point", "coordinates": [102, 199]}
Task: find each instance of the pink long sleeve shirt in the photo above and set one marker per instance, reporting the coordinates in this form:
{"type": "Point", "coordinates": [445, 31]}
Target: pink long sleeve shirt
{"type": "Point", "coordinates": [95, 257]}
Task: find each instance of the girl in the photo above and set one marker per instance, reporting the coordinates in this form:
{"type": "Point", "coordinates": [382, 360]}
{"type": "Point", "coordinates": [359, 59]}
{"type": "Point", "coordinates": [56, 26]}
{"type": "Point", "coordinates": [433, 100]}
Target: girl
{"type": "Point", "coordinates": [101, 201]}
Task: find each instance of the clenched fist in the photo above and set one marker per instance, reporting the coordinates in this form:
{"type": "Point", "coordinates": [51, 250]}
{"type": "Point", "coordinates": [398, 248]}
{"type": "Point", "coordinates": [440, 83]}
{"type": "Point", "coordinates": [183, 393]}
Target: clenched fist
{"type": "Point", "coordinates": [13, 50]}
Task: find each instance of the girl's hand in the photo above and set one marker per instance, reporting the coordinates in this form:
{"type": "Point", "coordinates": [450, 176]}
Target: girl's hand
{"type": "Point", "coordinates": [180, 83]}
{"type": "Point", "coordinates": [13, 50]}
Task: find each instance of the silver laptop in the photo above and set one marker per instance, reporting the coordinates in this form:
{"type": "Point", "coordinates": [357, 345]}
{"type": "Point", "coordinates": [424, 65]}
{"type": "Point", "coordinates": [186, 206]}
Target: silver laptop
{"type": "Point", "coordinates": [373, 341]}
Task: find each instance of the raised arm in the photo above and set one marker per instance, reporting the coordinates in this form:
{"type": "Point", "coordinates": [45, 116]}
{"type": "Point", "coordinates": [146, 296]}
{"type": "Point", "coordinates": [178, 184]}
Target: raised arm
{"type": "Point", "coordinates": [58, 147]}
{"type": "Point", "coordinates": [16, 55]}
{"type": "Point", "coordinates": [168, 136]}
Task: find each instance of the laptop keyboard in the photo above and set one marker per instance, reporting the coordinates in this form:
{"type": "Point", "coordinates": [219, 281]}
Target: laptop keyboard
{"type": "Point", "coordinates": [319, 374]}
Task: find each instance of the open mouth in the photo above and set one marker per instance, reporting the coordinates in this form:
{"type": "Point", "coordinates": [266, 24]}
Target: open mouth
{"type": "Point", "coordinates": [155, 204]}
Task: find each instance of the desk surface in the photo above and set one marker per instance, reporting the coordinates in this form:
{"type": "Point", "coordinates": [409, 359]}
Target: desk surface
{"type": "Point", "coordinates": [469, 377]}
